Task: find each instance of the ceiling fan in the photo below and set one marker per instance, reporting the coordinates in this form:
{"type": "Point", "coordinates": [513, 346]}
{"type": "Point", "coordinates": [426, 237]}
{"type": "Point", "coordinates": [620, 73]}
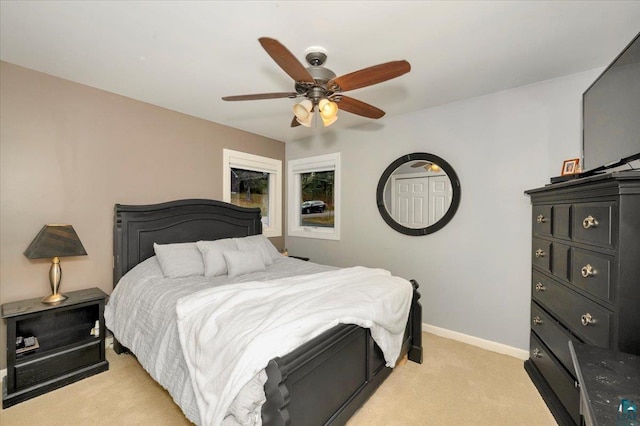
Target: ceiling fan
{"type": "Point", "coordinates": [428, 166]}
{"type": "Point", "coordinates": [320, 86]}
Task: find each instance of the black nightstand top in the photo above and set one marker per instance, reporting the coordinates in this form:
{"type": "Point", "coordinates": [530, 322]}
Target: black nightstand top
{"type": "Point", "coordinates": [29, 306]}
{"type": "Point", "coordinates": [299, 257]}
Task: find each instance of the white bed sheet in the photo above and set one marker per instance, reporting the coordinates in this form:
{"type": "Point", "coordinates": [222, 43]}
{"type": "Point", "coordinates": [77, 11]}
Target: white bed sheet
{"type": "Point", "coordinates": [141, 313]}
{"type": "Point", "coordinates": [230, 333]}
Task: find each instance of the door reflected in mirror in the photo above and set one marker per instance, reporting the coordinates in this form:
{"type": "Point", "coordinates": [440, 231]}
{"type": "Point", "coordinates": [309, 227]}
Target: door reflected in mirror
{"type": "Point", "coordinates": [418, 194]}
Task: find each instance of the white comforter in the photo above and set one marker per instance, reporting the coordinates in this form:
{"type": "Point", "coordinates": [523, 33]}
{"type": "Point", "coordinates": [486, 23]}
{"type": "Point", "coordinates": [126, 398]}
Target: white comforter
{"type": "Point", "coordinates": [229, 333]}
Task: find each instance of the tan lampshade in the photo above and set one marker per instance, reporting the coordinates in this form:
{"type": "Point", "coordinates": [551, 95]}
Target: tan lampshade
{"type": "Point", "coordinates": [55, 241]}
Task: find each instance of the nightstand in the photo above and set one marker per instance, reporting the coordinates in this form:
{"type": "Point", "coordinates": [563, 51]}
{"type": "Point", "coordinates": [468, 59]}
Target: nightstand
{"type": "Point", "coordinates": [306, 259]}
{"type": "Point", "coordinates": [66, 349]}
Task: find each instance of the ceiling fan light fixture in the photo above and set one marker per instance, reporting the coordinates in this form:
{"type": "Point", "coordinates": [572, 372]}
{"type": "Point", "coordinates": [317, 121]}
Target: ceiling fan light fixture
{"type": "Point", "coordinates": [434, 168]}
{"type": "Point", "coordinates": [306, 122]}
{"type": "Point", "coordinates": [328, 121]}
{"type": "Point", "coordinates": [328, 109]}
{"type": "Point", "coordinates": [302, 111]}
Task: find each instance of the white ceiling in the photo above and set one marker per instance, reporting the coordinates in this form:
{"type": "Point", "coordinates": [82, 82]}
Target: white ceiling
{"type": "Point", "coordinates": [186, 55]}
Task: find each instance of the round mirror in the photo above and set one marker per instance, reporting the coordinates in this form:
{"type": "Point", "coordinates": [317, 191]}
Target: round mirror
{"type": "Point", "coordinates": [418, 194]}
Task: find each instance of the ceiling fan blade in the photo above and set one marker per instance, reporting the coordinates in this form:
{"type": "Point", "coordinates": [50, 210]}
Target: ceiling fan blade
{"type": "Point", "coordinates": [420, 164]}
{"type": "Point", "coordinates": [259, 96]}
{"type": "Point", "coordinates": [294, 122]}
{"type": "Point", "coordinates": [369, 76]}
{"type": "Point", "coordinates": [286, 60]}
{"type": "Point", "coordinates": [355, 106]}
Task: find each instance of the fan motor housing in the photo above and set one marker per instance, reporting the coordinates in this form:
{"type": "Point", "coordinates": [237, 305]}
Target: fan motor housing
{"type": "Point", "coordinates": [321, 76]}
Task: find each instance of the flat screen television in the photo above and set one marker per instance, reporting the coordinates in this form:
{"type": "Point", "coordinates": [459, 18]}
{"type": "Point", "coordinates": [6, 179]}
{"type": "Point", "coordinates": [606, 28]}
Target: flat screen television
{"type": "Point", "coordinates": [611, 113]}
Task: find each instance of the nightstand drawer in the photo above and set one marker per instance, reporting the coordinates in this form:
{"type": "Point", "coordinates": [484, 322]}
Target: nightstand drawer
{"type": "Point", "coordinates": [31, 372]}
{"type": "Point", "coordinates": [585, 318]}
{"type": "Point", "coordinates": [591, 272]}
{"type": "Point", "coordinates": [592, 223]}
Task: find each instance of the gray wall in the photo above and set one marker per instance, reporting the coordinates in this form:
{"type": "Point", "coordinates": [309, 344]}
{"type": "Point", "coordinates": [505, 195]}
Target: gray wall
{"type": "Point", "coordinates": [474, 273]}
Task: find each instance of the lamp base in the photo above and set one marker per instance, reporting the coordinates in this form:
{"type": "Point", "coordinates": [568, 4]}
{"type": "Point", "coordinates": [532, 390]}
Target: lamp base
{"type": "Point", "coordinates": [54, 298]}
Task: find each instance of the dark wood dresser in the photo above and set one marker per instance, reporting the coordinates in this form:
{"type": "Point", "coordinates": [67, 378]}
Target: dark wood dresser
{"type": "Point", "coordinates": [585, 281]}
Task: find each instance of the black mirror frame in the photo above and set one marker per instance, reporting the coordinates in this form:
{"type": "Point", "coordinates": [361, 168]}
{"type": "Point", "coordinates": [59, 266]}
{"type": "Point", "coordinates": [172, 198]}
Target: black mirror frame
{"type": "Point", "coordinates": [455, 201]}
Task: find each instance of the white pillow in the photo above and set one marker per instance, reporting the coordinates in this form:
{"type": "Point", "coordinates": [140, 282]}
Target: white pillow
{"type": "Point", "coordinates": [179, 260]}
{"type": "Point", "coordinates": [273, 251]}
{"type": "Point", "coordinates": [214, 262]}
{"type": "Point", "coordinates": [243, 262]}
{"type": "Point", "coordinates": [256, 243]}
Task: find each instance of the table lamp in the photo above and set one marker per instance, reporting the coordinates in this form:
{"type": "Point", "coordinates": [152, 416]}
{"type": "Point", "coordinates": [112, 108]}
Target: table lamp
{"type": "Point", "coordinates": [55, 241]}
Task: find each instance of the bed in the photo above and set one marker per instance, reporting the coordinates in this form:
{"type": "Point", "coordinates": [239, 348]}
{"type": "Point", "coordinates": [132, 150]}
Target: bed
{"type": "Point", "coordinates": [323, 381]}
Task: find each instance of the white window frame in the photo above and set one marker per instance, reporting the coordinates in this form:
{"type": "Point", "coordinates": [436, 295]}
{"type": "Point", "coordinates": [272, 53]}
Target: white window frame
{"type": "Point", "coordinates": [321, 163]}
{"type": "Point", "coordinates": [242, 160]}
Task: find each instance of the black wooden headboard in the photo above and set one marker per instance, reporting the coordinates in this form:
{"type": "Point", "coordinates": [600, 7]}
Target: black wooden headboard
{"type": "Point", "coordinates": [137, 227]}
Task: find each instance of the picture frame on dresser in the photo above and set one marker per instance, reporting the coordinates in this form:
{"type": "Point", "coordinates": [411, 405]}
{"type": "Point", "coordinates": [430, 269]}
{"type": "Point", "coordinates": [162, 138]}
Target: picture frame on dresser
{"type": "Point", "coordinates": [570, 167]}
{"type": "Point", "coordinates": [585, 285]}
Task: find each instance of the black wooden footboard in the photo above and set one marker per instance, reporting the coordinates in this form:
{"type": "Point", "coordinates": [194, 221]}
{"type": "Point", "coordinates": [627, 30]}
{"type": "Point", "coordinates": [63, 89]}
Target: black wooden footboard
{"type": "Point", "coordinates": [327, 379]}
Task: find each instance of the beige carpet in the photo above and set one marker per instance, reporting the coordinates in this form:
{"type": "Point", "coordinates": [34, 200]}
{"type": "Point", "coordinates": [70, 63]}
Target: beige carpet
{"type": "Point", "coordinates": [456, 384]}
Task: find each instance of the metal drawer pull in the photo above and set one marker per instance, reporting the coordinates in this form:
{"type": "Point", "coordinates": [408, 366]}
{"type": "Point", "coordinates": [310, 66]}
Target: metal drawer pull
{"type": "Point", "coordinates": [540, 287]}
{"type": "Point", "coordinates": [541, 219]}
{"type": "Point", "coordinates": [589, 222]}
{"type": "Point", "coordinates": [537, 353]}
{"type": "Point", "coordinates": [587, 319]}
{"type": "Point", "coordinates": [588, 271]}
{"type": "Point", "coordinates": [539, 253]}
{"type": "Point", "coordinates": [537, 320]}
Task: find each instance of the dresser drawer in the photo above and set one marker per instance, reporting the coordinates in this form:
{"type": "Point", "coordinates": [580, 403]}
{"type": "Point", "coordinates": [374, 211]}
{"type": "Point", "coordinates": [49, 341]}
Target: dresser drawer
{"type": "Point", "coordinates": [590, 321]}
{"type": "Point", "coordinates": [561, 225]}
{"type": "Point", "coordinates": [554, 335]}
{"type": "Point", "coordinates": [540, 253]}
{"type": "Point", "coordinates": [560, 260]}
{"type": "Point", "coordinates": [563, 385]}
{"type": "Point", "coordinates": [542, 220]}
{"type": "Point", "coordinates": [591, 272]}
{"type": "Point", "coordinates": [592, 223]}
{"type": "Point", "coordinates": [36, 371]}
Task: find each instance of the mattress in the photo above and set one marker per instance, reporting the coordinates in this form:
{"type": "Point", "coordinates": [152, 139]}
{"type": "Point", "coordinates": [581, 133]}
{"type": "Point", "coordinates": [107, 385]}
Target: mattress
{"type": "Point", "coordinates": [141, 313]}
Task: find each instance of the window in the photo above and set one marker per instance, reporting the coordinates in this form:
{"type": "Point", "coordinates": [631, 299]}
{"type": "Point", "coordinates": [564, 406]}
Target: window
{"type": "Point", "coordinates": [314, 197]}
{"type": "Point", "coordinates": [253, 181]}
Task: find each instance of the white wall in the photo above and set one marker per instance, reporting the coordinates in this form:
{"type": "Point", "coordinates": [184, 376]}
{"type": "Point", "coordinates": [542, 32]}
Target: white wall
{"type": "Point", "coordinates": [474, 274]}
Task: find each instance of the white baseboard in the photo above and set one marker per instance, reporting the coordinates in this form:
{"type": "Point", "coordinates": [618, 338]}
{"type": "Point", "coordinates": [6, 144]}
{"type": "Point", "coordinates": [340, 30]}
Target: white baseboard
{"type": "Point", "coordinates": [476, 341]}
{"type": "Point", "coordinates": [442, 332]}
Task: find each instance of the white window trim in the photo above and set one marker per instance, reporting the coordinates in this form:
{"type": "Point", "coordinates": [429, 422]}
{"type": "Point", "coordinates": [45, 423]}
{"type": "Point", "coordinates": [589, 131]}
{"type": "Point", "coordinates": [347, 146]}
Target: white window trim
{"type": "Point", "coordinates": [242, 160]}
{"type": "Point", "coordinates": [319, 163]}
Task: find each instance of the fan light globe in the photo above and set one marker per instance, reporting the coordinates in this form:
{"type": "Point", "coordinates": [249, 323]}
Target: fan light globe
{"type": "Point", "coordinates": [328, 121]}
{"type": "Point", "coordinates": [306, 122]}
{"type": "Point", "coordinates": [302, 111]}
{"type": "Point", "coordinates": [328, 109]}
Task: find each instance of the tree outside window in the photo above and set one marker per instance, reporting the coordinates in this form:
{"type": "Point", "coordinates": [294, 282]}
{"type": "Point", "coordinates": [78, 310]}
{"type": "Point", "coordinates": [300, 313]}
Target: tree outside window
{"type": "Point", "coordinates": [250, 188]}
